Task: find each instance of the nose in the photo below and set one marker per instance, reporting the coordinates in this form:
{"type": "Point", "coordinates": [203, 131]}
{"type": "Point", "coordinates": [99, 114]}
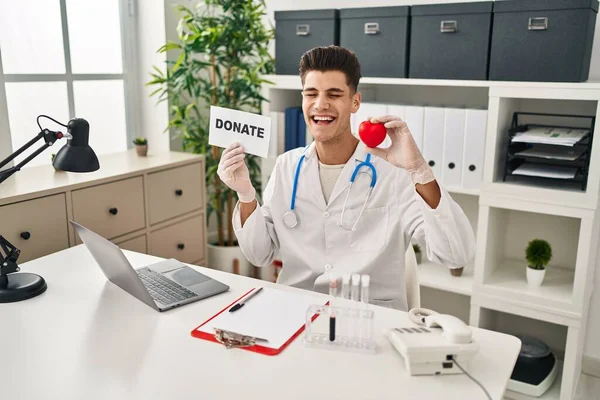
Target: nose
{"type": "Point", "coordinates": [321, 103]}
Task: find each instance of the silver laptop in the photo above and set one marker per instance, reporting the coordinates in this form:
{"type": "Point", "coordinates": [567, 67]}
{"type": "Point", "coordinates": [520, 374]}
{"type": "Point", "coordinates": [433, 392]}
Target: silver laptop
{"type": "Point", "coordinates": [163, 285]}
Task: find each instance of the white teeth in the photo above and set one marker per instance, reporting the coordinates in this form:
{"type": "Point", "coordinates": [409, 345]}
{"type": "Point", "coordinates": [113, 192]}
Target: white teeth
{"type": "Point", "coordinates": [323, 118]}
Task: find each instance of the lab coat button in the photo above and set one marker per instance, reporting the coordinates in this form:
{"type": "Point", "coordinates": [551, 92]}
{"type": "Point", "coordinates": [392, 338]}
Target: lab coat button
{"type": "Point", "coordinates": [326, 214]}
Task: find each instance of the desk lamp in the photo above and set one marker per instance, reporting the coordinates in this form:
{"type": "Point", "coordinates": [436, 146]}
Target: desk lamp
{"type": "Point", "coordinates": [75, 156]}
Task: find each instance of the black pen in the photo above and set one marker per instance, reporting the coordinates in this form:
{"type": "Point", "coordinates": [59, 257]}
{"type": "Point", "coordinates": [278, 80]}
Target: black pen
{"type": "Point", "coordinates": [241, 303]}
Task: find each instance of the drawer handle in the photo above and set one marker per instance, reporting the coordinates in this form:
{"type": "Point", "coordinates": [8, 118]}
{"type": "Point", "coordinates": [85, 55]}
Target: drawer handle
{"type": "Point", "coordinates": [113, 211]}
{"type": "Point", "coordinates": [302, 30]}
{"type": "Point", "coordinates": [179, 192]}
{"type": "Point", "coordinates": [181, 246]}
{"type": "Point", "coordinates": [471, 167]}
{"type": "Point", "coordinates": [538, 24]}
{"type": "Point", "coordinates": [448, 26]}
{"type": "Point", "coordinates": [451, 165]}
{"type": "Point", "coordinates": [25, 235]}
{"type": "Point", "coordinates": [431, 163]}
{"type": "Point", "coordinates": [371, 28]}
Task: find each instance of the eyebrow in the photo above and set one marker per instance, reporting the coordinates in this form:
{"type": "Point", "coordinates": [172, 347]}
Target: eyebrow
{"type": "Point", "coordinates": [312, 89]}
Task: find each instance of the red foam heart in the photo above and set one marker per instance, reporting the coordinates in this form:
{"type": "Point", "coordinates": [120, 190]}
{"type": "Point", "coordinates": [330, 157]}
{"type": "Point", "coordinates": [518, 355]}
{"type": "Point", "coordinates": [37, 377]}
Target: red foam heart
{"type": "Point", "coordinates": [371, 134]}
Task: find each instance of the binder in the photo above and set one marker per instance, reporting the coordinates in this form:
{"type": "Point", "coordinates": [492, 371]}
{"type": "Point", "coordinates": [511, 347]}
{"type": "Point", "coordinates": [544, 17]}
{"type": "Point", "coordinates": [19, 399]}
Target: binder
{"type": "Point", "coordinates": [275, 315]}
{"type": "Point", "coordinates": [474, 148]}
{"type": "Point", "coordinates": [414, 117]}
{"type": "Point", "coordinates": [454, 131]}
{"type": "Point", "coordinates": [433, 138]}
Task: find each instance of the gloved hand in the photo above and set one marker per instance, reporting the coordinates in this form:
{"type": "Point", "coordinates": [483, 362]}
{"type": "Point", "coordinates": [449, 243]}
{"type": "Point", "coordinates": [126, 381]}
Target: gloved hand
{"type": "Point", "coordinates": [403, 152]}
{"type": "Point", "coordinates": [235, 174]}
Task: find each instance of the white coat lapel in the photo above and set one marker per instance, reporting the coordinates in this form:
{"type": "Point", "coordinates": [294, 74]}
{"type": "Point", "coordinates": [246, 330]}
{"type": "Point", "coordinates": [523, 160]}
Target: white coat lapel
{"type": "Point", "coordinates": [312, 178]}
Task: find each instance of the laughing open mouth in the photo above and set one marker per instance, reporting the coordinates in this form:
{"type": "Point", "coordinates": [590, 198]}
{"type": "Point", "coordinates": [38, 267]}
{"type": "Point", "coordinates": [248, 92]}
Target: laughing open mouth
{"type": "Point", "coordinates": [322, 119]}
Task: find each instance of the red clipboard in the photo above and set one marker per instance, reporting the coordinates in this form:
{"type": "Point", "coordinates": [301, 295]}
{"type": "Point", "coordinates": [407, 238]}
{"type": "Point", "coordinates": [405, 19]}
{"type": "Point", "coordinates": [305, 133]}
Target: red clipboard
{"type": "Point", "coordinates": [269, 351]}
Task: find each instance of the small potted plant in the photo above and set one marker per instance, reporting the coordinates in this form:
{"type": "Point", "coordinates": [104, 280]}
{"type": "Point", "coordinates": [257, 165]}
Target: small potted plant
{"type": "Point", "coordinates": [418, 253]}
{"type": "Point", "coordinates": [141, 146]}
{"type": "Point", "coordinates": [538, 254]}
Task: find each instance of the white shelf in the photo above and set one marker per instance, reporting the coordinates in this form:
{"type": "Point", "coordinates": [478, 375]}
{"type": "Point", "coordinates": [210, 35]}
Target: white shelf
{"type": "Point", "coordinates": [293, 82]}
{"type": "Point", "coordinates": [460, 190]}
{"type": "Point", "coordinates": [551, 394]}
{"type": "Point", "coordinates": [438, 276]}
{"type": "Point", "coordinates": [509, 282]}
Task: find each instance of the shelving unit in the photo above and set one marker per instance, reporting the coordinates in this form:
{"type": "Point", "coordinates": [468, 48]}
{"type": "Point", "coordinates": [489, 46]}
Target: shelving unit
{"type": "Point", "coordinates": [493, 293]}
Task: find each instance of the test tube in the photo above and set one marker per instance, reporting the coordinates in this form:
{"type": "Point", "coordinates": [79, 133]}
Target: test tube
{"type": "Point", "coordinates": [346, 286]}
{"type": "Point", "coordinates": [332, 287]}
{"type": "Point", "coordinates": [355, 282]}
{"type": "Point", "coordinates": [365, 326]}
{"type": "Point", "coordinates": [364, 290]}
{"type": "Point", "coordinates": [355, 328]}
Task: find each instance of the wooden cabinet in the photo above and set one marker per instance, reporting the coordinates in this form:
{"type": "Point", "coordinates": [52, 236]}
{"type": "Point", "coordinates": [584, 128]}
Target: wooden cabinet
{"type": "Point", "coordinates": [153, 205]}
{"type": "Point", "coordinates": [36, 227]}
{"type": "Point", "coordinates": [184, 241]}
{"type": "Point", "coordinates": [112, 209]}
{"type": "Point", "coordinates": [175, 191]}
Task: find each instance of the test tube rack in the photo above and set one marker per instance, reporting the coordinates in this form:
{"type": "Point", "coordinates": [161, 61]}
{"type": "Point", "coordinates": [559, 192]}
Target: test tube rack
{"type": "Point", "coordinates": [351, 330]}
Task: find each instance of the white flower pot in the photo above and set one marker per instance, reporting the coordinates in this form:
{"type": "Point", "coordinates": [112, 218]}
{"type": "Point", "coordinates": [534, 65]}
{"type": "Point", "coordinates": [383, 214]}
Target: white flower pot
{"type": "Point", "coordinates": [535, 277]}
{"type": "Point", "coordinates": [224, 258]}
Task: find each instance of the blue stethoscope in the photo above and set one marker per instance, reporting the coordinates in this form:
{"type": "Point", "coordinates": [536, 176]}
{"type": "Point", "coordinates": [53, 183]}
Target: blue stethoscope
{"type": "Point", "coordinates": [290, 218]}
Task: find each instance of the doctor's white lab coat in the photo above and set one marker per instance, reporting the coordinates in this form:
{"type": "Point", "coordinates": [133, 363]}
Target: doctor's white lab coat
{"type": "Point", "coordinates": [394, 214]}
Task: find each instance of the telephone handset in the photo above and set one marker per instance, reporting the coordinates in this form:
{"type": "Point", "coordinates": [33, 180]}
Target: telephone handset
{"type": "Point", "coordinates": [435, 343]}
{"type": "Point", "coordinates": [453, 328]}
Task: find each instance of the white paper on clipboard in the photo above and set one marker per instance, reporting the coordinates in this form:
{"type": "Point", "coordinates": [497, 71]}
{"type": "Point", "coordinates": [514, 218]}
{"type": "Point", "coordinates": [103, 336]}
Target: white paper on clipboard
{"type": "Point", "coordinates": [274, 315]}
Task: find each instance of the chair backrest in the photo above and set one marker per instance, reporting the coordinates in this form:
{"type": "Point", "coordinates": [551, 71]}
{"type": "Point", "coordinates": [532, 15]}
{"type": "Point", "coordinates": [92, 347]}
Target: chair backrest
{"type": "Point", "coordinates": [413, 291]}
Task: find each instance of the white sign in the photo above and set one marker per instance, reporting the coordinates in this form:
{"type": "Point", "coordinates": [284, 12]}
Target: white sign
{"type": "Point", "coordinates": [228, 126]}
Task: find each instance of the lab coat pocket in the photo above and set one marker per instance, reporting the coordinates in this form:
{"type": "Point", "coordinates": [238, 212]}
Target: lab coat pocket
{"type": "Point", "coordinates": [371, 230]}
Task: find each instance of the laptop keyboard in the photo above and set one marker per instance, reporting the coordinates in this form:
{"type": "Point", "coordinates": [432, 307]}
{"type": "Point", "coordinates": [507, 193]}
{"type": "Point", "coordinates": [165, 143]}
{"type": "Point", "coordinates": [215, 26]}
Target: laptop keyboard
{"type": "Point", "coordinates": [162, 289]}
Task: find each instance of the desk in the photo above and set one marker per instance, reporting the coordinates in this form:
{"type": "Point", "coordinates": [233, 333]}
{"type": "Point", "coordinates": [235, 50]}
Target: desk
{"type": "Point", "coordinates": [85, 338]}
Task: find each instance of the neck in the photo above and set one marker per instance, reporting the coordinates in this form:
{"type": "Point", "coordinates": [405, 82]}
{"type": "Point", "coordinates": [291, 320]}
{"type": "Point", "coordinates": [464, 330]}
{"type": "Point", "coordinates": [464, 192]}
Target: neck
{"type": "Point", "coordinates": [337, 152]}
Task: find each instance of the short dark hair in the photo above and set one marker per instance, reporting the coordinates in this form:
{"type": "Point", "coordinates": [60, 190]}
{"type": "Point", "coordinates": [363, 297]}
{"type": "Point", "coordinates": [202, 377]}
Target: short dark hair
{"type": "Point", "coordinates": [332, 58]}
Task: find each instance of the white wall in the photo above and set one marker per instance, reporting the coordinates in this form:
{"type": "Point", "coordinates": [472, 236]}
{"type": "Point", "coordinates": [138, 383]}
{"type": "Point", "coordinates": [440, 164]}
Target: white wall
{"type": "Point", "coordinates": [592, 348]}
{"type": "Point", "coordinates": [151, 35]}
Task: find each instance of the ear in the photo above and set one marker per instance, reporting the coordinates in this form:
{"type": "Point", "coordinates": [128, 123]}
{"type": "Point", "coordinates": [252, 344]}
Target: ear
{"type": "Point", "coordinates": [356, 99]}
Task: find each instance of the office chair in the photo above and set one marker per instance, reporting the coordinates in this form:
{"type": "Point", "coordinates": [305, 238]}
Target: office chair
{"type": "Point", "coordinates": [413, 290]}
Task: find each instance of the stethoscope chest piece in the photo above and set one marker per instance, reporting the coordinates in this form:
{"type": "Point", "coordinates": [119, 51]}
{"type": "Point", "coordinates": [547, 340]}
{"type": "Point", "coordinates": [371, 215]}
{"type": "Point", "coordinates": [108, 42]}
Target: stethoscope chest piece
{"type": "Point", "coordinates": [290, 219]}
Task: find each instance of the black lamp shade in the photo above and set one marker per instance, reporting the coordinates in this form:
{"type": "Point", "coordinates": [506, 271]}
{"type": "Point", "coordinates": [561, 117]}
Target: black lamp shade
{"type": "Point", "coordinates": [77, 155]}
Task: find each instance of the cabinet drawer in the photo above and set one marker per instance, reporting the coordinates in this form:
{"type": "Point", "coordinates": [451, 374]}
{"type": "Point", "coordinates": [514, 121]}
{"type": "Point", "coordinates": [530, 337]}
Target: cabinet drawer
{"type": "Point", "coordinates": [175, 192]}
{"type": "Point", "coordinates": [111, 209]}
{"type": "Point", "coordinates": [137, 244]}
{"type": "Point", "coordinates": [36, 227]}
{"type": "Point", "coordinates": [184, 241]}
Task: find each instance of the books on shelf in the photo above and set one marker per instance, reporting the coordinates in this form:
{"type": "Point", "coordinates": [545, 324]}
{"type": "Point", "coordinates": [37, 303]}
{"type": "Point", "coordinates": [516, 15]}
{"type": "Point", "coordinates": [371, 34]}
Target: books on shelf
{"type": "Point", "coordinates": [549, 135]}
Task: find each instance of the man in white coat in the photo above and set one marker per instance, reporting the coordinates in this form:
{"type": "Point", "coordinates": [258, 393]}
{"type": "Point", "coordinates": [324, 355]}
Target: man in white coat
{"type": "Point", "coordinates": [326, 233]}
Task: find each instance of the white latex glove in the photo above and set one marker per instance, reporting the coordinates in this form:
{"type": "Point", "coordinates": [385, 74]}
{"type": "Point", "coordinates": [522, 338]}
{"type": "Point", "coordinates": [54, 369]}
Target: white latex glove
{"type": "Point", "coordinates": [234, 172]}
{"type": "Point", "coordinates": [403, 152]}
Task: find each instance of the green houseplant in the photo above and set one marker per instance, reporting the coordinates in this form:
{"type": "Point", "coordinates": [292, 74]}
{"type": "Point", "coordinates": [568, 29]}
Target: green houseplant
{"type": "Point", "coordinates": [141, 146]}
{"type": "Point", "coordinates": [222, 52]}
{"type": "Point", "coordinates": [538, 254]}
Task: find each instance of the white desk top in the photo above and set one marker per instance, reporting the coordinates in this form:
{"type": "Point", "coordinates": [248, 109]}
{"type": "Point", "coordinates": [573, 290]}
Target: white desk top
{"type": "Point", "coordinates": [85, 338]}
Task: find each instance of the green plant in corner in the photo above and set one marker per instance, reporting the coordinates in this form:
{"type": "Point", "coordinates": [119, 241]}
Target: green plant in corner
{"type": "Point", "coordinates": [222, 52]}
{"type": "Point", "coordinates": [538, 254]}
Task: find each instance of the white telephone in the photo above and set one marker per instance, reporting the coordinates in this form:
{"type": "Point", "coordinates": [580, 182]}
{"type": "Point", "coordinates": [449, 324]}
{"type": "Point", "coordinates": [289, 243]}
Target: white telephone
{"type": "Point", "coordinates": [436, 345]}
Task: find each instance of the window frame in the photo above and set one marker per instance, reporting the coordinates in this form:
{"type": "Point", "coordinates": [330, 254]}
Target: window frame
{"type": "Point", "coordinates": [129, 76]}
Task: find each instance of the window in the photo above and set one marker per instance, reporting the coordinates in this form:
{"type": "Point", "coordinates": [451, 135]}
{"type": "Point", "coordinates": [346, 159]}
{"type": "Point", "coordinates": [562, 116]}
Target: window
{"type": "Point", "coordinates": [66, 59]}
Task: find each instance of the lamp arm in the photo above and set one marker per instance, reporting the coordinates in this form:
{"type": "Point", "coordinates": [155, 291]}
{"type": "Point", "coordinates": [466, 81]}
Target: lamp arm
{"type": "Point", "coordinates": [8, 261]}
{"type": "Point", "coordinates": [49, 136]}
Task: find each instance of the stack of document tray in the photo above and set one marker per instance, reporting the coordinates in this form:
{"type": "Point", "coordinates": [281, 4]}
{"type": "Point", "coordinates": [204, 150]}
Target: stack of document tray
{"type": "Point", "coordinates": [550, 155]}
